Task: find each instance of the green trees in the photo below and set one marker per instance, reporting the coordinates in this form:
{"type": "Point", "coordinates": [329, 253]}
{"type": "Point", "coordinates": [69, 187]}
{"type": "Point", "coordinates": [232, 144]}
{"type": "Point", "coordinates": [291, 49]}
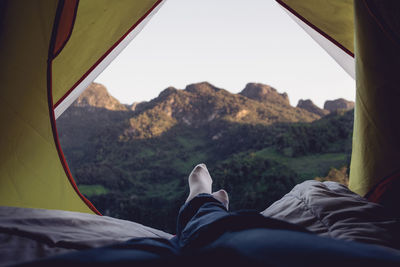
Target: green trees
{"type": "Point", "coordinates": [252, 181]}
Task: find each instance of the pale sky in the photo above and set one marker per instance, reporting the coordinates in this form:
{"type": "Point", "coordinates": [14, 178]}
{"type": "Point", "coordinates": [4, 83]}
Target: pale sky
{"type": "Point", "coordinates": [227, 43]}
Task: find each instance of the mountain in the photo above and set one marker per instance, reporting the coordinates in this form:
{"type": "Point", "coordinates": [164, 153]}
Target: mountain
{"type": "Point", "coordinates": [329, 106]}
{"type": "Point", "coordinates": [202, 103]}
{"type": "Point", "coordinates": [130, 162]}
{"type": "Point", "coordinates": [311, 107]}
{"type": "Point", "coordinates": [265, 93]}
{"type": "Point", "coordinates": [97, 96]}
{"type": "Point", "coordinates": [94, 111]}
{"type": "Point", "coordinates": [135, 106]}
{"type": "Point", "coordinates": [338, 104]}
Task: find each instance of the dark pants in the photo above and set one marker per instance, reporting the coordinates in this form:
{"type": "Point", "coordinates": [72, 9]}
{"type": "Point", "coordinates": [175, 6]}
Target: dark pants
{"type": "Point", "coordinates": [209, 235]}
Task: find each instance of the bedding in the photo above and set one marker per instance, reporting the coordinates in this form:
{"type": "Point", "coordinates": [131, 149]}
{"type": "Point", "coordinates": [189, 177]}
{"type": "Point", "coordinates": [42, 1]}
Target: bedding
{"type": "Point", "coordinates": [326, 208]}
{"type": "Point", "coordinates": [330, 209]}
{"type": "Point", "coordinates": [28, 234]}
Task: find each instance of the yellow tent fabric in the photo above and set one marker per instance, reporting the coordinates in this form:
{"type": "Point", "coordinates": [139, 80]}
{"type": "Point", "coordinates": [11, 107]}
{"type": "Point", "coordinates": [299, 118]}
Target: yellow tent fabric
{"type": "Point", "coordinates": [108, 23]}
{"type": "Point", "coordinates": [334, 19]}
{"type": "Point", "coordinates": [376, 146]}
{"type": "Point", "coordinates": [376, 142]}
{"type": "Point", "coordinates": [33, 172]}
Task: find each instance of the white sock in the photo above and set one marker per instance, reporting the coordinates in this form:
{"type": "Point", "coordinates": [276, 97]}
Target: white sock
{"type": "Point", "coordinates": [199, 181]}
{"type": "Point", "coordinates": [222, 196]}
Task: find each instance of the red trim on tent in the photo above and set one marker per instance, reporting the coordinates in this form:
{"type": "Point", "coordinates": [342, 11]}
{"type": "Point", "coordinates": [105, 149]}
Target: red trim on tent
{"type": "Point", "coordinates": [58, 146]}
{"type": "Point", "coordinates": [51, 109]}
{"type": "Point", "coordinates": [291, 10]}
{"type": "Point", "coordinates": [377, 192]}
{"type": "Point", "coordinates": [66, 24]}
{"type": "Point", "coordinates": [108, 52]}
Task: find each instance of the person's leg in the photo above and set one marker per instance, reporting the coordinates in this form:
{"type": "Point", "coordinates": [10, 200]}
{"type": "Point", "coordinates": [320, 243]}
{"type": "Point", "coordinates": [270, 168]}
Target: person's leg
{"type": "Point", "coordinates": [204, 217]}
{"type": "Point", "coordinates": [195, 216]}
{"type": "Point", "coordinates": [201, 207]}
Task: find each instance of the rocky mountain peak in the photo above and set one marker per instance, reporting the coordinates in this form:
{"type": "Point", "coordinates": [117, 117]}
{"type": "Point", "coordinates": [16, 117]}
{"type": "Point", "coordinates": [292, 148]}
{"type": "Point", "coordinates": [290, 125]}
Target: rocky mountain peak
{"type": "Point", "coordinates": [201, 88]}
{"type": "Point", "coordinates": [338, 104]}
{"type": "Point", "coordinates": [311, 107]}
{"type": "Point", "coordinates": [167, 92]}
{"type": "Point", "coordinates": [262, 93]}
{"type": "Point", "coordinates": [97, 96]}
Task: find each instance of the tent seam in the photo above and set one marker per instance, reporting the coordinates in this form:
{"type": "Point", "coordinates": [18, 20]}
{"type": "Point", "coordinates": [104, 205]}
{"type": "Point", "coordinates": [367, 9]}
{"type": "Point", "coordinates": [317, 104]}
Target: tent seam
{"type": "Point", "coordinates": [50, 58]}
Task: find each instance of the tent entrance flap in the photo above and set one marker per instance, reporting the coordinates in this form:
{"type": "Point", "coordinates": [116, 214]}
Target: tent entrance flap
{"type": "Point", "coordinates": [375, 27]}
{"type": "Point", "coordinates": [330, 24]}
{"type": "Point", "coordinates": [52, 45]}
{"type": "Point", "coordinates": [376, 143]}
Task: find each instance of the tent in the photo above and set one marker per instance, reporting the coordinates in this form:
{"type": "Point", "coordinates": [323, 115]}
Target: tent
{"type": "Point", "coordinates": [51, 50]}
{"type": "Point", "coordinates": [363, 37]}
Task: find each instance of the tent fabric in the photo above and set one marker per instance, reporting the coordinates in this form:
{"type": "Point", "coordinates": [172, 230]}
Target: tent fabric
{"type": "Point", "coordinates": [330, 24]}
{"type": "Point", "coordinates": [65, 25]}
{"type": "Point", "coordinates": [376, 143]}
{"type": "Point", "coordinates": [343, 58]}
{"type": "Point", "coordinates": [331, 18]}
{"type": "Point", "coordinates": [76, 66]}
{"type": "Point", "coordinates": [31, 172]}
{"type": "Point", "coordinates": [108, 23]}
{"type": "Point", "coordinates": [45, 48]}
{"type": "Point", "coordinates": [386, 193]}
{"type": "Point", "coordinates": [375, 27]}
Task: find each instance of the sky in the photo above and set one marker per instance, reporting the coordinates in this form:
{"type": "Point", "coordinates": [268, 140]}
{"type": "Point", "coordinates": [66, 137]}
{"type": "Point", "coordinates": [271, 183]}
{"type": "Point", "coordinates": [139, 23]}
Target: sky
{"type": "Point", "coordinates": [228, 43]}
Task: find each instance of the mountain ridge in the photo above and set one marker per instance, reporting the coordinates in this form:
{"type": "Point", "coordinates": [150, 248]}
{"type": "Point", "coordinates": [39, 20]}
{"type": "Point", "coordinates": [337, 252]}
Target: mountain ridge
{"type": "Point", "coordinates": [97, 95]}
{"type": "Point", "coordinates": [196, 105]}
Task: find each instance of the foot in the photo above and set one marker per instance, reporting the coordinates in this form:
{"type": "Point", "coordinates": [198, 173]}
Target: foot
{"type": "Point", "coordinates": [199, 181]}
{"type": "Point", "coordinates": [222, 196]}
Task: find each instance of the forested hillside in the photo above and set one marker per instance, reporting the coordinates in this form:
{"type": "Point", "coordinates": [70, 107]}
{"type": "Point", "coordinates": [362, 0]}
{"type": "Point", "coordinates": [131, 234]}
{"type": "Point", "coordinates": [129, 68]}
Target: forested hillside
{"type": "Point", "coordinates": [132, 161]}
